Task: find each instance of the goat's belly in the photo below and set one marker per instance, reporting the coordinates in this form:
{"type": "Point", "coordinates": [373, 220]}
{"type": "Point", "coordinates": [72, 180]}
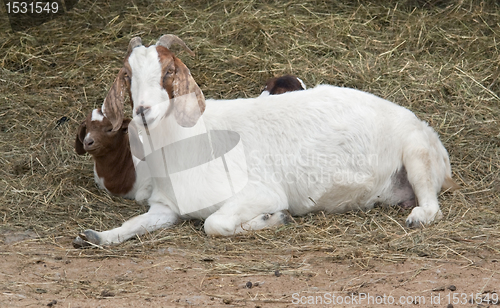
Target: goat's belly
{"type": "Point", "coordinates": [336, 199]}
{"type": "Point", "coordinates": [390, 187]}
{"type": "Point", "coordinates": [341, 188]}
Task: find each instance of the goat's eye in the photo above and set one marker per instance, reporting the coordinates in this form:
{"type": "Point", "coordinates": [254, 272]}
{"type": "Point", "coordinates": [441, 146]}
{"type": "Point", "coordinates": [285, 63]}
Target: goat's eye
{"type": "Point", "coordinates": [126, 77]}
{"type": "Point", "coordinates": [109, 129]}
{"type": "Point", "coordinates": [169, 72]}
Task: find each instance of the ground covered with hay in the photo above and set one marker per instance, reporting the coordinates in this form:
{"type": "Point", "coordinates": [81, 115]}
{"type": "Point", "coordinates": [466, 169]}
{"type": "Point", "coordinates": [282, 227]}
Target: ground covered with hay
{"type": "Point", "coordinates": [442, 61]}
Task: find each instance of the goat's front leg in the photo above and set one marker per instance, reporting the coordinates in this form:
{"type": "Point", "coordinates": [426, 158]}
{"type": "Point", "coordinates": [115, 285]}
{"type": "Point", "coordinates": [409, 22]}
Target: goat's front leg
{"type": "Point", "coordinates": [159, 216]}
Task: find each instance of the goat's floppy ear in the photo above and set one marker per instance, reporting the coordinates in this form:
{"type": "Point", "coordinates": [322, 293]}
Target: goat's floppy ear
{"type": "Point", "coordinates": [112, 108]}
{"type": "Point", "coordinates": [82, 131]}
{"type": "Point", "coordinates": [188, 100]}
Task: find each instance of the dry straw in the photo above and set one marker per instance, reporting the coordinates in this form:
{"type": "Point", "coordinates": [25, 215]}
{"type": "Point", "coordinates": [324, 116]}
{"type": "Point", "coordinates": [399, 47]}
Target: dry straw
{"type": "Point", "coordinates": [440, 60]}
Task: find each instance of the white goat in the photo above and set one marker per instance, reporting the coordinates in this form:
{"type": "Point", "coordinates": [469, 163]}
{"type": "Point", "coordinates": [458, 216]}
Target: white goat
{"type": "Point", "coordinates": [241, 164]}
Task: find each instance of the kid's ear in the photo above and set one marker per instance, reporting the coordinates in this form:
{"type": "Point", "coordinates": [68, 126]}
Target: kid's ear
{"type": "Point", "coordinates": [82, 131]}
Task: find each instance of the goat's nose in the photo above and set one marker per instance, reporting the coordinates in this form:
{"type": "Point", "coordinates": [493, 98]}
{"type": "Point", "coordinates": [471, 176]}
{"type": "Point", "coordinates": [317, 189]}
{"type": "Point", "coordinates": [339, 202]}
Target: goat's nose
{"type": "Point", "coordinates": [141, 110]}
{"type": "Point", "coordinates": [88, 142]}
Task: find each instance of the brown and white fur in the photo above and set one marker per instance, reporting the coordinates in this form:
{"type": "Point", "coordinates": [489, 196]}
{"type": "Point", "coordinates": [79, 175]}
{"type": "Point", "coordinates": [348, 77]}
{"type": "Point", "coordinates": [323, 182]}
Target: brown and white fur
{"type": "Point", "coordinates": [283, 84]}
{"type": "Point", "coordinates": [114, 166]}
{"type": "Point", "coordinates": [327, 149]}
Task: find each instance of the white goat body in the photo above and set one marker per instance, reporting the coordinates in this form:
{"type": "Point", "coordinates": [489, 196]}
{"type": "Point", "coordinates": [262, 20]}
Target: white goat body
{"type": "Point", "coordinates": [328, 148]}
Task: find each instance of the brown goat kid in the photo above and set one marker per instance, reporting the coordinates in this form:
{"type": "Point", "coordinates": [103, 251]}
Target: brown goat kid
{"type": "Point", "coordinates": [114, 168]}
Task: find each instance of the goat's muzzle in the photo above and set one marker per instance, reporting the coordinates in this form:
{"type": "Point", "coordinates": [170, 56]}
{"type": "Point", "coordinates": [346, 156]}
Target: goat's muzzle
{"type": "Point", "coordinates": [88, 144]}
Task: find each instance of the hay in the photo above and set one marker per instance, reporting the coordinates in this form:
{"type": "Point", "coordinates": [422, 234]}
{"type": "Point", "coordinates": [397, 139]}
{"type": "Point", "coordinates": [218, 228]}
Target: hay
{"type": "Point", "coordinates": [441, 61]}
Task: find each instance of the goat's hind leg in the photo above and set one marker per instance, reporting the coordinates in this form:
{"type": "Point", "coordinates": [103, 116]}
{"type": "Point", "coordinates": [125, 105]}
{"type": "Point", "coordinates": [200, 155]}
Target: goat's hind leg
{"type": "Point", "coordinates": [254, 208]}
{"type": "Point", "coordinates": [265, 221]}
{"type": "Point", "coordinates": [221, 224]}
{"type": "Point", "coordinates": [159, 216]}
{"type": "Point", "coordinates": [426, 173]}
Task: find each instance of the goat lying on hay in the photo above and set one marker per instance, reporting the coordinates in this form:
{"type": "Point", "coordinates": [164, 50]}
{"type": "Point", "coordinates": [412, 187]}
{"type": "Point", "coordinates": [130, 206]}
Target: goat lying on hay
{"type": "Point", "coordinates": [243, 164]}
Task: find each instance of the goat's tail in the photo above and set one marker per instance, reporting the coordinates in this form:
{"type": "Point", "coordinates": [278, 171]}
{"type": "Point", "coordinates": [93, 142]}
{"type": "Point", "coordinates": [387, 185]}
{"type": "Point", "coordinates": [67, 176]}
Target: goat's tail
{"type": "Point", "coordinates": [449, 184]}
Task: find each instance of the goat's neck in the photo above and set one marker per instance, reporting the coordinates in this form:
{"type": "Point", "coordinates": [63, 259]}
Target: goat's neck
{"type": "Point", "coordinates": [168, 132]}
{"type": "Point", "coordinates": [117, 170]}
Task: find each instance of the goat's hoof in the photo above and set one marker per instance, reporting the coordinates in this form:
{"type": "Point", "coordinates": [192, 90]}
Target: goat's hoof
{"type": "Point", "coordinates": [87, 238]}
{"type": "Point", "coordinates": [419, 217]}
{"type": "Point", "coordinates": [413, 224]}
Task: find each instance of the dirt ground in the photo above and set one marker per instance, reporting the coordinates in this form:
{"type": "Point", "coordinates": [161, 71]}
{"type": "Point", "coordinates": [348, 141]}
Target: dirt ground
{"type": "Point", "coordinates": [38, 273]}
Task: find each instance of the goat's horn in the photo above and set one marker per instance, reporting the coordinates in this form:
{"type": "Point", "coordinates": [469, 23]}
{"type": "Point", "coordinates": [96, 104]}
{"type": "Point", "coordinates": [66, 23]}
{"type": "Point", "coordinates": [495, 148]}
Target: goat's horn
{"type": "Point", "coordinates": [134, 42]}
{"type": "Point", "coordinates": [168, 39]}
